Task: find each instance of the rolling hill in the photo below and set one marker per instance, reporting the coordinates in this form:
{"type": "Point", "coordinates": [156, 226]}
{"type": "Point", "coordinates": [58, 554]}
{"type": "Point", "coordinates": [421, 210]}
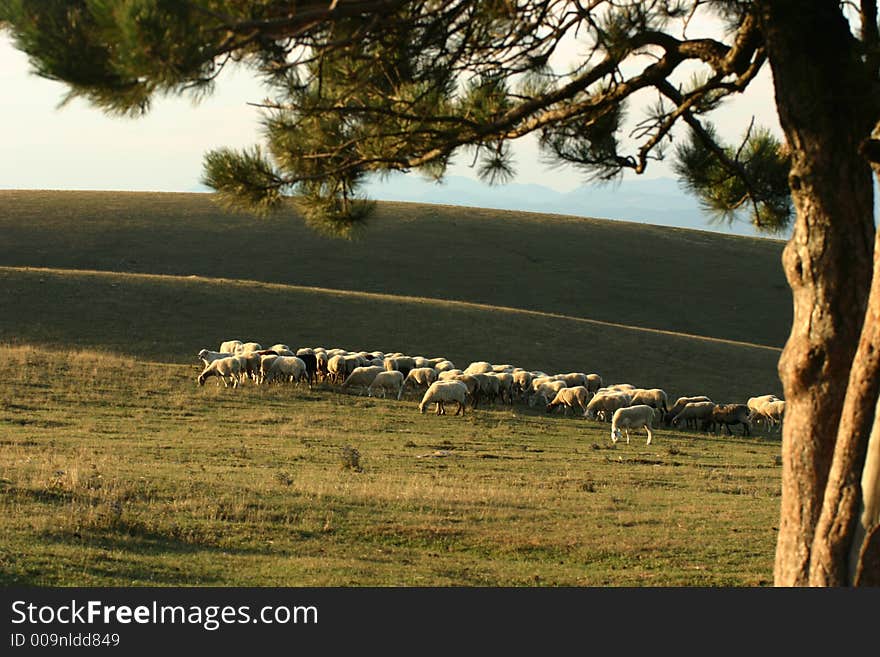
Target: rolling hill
{"type": "Point", "coordinates": [160, 275]}
{"type": "Point", "coordinates": [116, 469]}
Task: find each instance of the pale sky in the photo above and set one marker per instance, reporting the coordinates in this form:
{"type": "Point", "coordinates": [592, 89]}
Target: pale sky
{"type": "Point", "coordinates": [79, 147]}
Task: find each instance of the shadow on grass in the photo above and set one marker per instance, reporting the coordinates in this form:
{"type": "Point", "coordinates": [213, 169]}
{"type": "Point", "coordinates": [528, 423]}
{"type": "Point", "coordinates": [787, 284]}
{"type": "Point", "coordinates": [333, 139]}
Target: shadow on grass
{"type": "Point", "coordinates": [136, 538]}
{"type": "Point", "coordinates": [113, 574]}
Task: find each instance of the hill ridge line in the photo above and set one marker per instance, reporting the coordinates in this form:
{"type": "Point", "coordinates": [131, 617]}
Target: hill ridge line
{"type": "Point", "coordinates": [391, 297]}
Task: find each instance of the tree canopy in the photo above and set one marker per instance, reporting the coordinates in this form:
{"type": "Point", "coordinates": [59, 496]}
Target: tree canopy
{"type": "Point", "coordinates": [370, 86]}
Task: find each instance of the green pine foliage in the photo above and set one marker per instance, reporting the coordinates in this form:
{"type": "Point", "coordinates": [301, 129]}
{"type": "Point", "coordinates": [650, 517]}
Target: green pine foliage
{"type": "Point", "coordinates": [750, 182]}
{"type": "Point", "coordinates": [360, 88]}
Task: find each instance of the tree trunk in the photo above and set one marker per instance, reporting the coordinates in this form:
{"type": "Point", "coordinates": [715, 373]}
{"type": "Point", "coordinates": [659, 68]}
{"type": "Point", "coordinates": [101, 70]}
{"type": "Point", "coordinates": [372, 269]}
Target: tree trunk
{"type": "Point", "coordinates": [839, 532]}
{"type": "Point", "coordinates": [822, 95]}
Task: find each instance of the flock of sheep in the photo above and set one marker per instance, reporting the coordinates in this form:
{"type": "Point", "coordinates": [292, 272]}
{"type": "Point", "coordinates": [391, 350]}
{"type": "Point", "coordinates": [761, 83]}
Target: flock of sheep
{"type": "Point", "coordinates": [439, 382]}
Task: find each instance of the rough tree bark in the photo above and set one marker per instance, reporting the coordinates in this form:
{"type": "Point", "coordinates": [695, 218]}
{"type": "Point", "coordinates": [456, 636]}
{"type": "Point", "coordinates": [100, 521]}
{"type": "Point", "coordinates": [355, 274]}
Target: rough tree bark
{"type": "Point", "coordinates": [823, 99]}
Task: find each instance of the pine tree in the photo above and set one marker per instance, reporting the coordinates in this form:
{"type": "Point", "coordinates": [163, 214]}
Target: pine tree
{"type": "Point", "coordinates": [373, 86]}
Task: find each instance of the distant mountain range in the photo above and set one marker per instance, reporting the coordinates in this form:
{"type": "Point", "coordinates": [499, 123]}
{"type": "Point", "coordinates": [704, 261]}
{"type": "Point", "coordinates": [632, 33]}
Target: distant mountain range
{"type": "Point", "coordinates": [659, 201]}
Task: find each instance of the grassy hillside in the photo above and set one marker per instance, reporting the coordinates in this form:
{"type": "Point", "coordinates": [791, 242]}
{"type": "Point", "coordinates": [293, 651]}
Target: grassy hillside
{"type": "Point", "coordinates": [116, 472]}
{"type": "Point", "coordinates": [169, 318]}
{"type": "Point", "coordinates": [116, 469]}
{"type": "Point", "coordinates": [679, 280]}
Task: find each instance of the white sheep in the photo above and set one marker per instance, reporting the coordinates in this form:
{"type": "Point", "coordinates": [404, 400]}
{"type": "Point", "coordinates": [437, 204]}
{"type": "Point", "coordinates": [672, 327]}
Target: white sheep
{"type": "Point", "coordinates": [471, 383]}
{"type": "Point", "coordinates": [402, 364]}
{"type": "Point", "coordinates": [693, 412]}
{"type": "Point", "coordinates": [265, 367]}
{"type": "Point", "coordinates": [489, 389]}
{"type": "Point", "coordinates": [250, 364]}
{"type": "Point", "coordinates": [336, 368]}
{"type": "Point", "coordinates": [594, 382]}
{"type": "Point", "coordinates": [756, 408]}
{"type": "Point", "coordinates": [478, 367]}
{"type": "Point", "coordinates": [362, 377]}
{"type": "Point", "coordinates": [774, 413]}
{"type": "Point", "coordinates": [756, 403]}
{"type": "Point", "coordinates": [419, 378]}
{"type": "Point", "coordinates": [248, 346]}
{"type": "Point", "coordinates": [444, 365]}
{"type": "Point", "coordinates": [228, 368]}
{"type": "Point", "coordinates": [229, 346]}
{"type": "Point", "coordinates": [679, 404]}
{"type": "Point", "coordinates": [604, 404]}
{"type": "Point", "coordinates": [655, 397]}
{"type": "Point", "coordinates": [384, 381]}
{"type": "Point", "coordinates": [207, 357]}
{"type": "Point", "coordinates": [568, 398]}
{"type": "Point", "coordinates": [441, 392]}
{"type": "Point", "coordinates": [632, 417]}
{"type": "Point", "coordinates": [573, 379]}
{"type": "Point", "coordinates": [449, 375]}
{"type": "Point", "coordinates": [287, 368]}
{"type": "Point", "coordinates": [522, 382]}
{"type": "Point", "coordinates": [505, 386]}
{"type": "Point", "coordinates": [340, 366]}
{"type": "Point", "coordinates": [545, 391]}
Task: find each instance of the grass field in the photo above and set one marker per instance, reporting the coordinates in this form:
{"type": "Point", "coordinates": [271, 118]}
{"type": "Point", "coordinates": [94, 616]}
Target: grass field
{"type": "Point", "coordinates": [116, 469]}
{"type": "Point", "coordinates": [116, 472]}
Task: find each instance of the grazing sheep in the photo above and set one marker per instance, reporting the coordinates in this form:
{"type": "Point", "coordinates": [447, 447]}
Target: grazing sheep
{"type": "Point", "coordinates": [573, 379]}
{"type": "Point", "coordinates": [322, 369]}
{"type": "Point", "coordinates": [654, 397]}
{"type": "Point", "coordinates": [693, 413]}
{"type": "Point", "coordinates": [594, 382]}
{"type": "Point", "coordinates": [248, 346]}
{"type": "Point", "coordinates": [265, 367]}
{"type": "Point", "coordinates": [774, 413]}
{"type": "Point", "coordinates": [388, 380]}
{"type": "Point", "coordinates": [478, 367]}
{"type": "Point", "coordinates": [603, 405]}
{"type": "Point", "coordinates": [362, 377]}
{"type": "Point", "coordinates": [522, 382]}
{"type": "Point", "coordinates": [632, 417]}
{"type": "Point", "coordinates": [545, 391]}
{"type": "Point", "coordinates": [756, 403]}
{"type": "Point", "coordinates": [471, 383]}
{"type": "Point", "coordinates": [230, 346]}
{"type": "Point", "coordinates": [251, 362]}
{"type": "Point", "coordinates": [490, 387]}
{"type": "Point", "coordinates": [441, 392]}
{"type": "Point", "coordinates": [449, 375]}
{"type": "Point", "coordinates": [208, 357]}
{"type": "Point", "coordinates": [402, 364]}
{"type": "Point", "coordinates": [756, 407]}
{"type": "Point", "coordinates": [224, 368]}
{"type": "Point", "coordinates": [287, 368]}
{"type": "Point", "coordinates": [568, 398]}
{"type": "Point", "coordinates": [418, 378]}
{"type": "Point", "coordinates": [505, 386]}
{"type": "Point", "coordinates": [444, 365]}
{"type": "Point", "coordinates": [679, 404]}
{"type": "Point", "coordinates": [730, 414]}
{"type": "Point", "coordinates": [340, 366]}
